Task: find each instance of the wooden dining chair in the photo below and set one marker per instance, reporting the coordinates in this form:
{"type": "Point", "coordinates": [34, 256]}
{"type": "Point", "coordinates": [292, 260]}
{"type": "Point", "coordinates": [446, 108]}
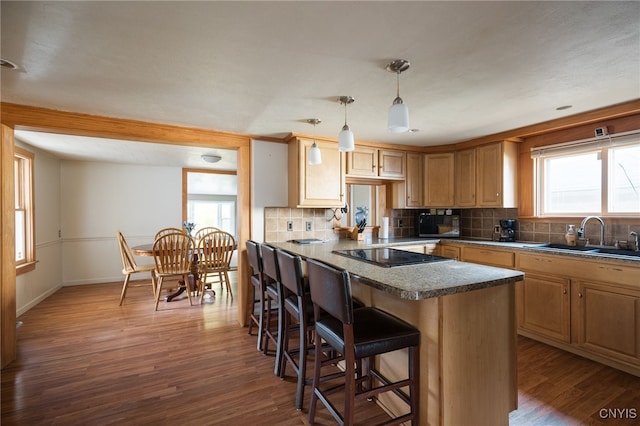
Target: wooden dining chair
{"type": "Point", "coordinates": [173, 255]}
{"type": "Point", "coordinates": [204, 231]}
{"type": "Point", "coordinates": [130, 266]}
{"type": "Point", "coordinates": [165, 231]}
{"type": "Point", "coordinates": [215, 251]}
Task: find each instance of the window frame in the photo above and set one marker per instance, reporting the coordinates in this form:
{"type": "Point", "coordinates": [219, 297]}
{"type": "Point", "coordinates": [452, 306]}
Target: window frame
{"type": "Point", "coordinates": [25, 198]}
{"type": "Point", "coordinates": [602, 147]}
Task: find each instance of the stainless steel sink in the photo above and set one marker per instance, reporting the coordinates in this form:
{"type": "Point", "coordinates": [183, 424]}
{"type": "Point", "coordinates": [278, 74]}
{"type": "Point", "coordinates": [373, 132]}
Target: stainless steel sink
{"type": "Point", "coordinates": [587, 249]}
{"type": "Point", "coordinates": [566, 247]}
{"type": "Point", "coordinates": [619, 252]}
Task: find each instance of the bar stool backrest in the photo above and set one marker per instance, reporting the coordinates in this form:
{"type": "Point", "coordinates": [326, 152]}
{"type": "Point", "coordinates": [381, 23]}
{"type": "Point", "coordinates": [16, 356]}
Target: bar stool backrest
{"type": "Point", "coordinates": [254, 257]}
{"type": "Point", "coordinates": [270, 262]}
{"type": "Point", "coordinates": [331, 290]}
{"type": "Point", "coordinates": [291, 275]}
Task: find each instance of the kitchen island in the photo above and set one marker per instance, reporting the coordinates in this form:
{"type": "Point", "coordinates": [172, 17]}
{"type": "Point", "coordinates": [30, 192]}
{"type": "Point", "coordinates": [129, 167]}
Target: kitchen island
{"type": "Point", "coordinates": [466, 315]}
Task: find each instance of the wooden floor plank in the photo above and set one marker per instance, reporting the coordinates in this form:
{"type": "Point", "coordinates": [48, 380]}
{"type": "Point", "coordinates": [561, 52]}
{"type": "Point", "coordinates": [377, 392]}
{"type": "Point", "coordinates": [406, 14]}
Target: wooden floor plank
{"type": "Point", "coordinates": [82, 359]}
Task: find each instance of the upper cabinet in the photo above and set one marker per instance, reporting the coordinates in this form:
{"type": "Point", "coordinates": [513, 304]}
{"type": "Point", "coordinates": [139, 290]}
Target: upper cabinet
{"type": "Point", "coordinates": [319, 185]}
{"type": "Point", "coordinates": [466, 178]}
{"type": "Point", "coordinates": [413, 181]}
{"type": "Point", "coordinates": [486, 176]}
{"type": "Point", "coordinates": [439, 180]}
{"type": "Point", "coordinates": [379, 163]}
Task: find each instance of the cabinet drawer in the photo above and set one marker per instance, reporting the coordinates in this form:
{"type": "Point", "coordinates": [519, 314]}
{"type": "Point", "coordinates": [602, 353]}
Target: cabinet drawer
{"type": "Point", "coordinates": [484, 256]}
{"type": "Point", "coordinates": [565, 266]}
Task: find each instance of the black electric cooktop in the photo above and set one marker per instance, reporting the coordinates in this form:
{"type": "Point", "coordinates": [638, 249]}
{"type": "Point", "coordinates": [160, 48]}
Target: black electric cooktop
{"type": "Point", "coordinates": [388, 257]}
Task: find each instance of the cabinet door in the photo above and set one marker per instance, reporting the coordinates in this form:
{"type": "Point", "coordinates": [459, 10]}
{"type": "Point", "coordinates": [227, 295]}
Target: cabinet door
{"type": "Point", "coordinates": [489, 175]}
{"type": "Point", "coordinates": [362, 161]}
{"type": "Point", "coordinates": [451, 252]}
{"type": "Point", "coordinates": [415, 249]}
{"type": "Point", "coordinates": [465, 172]}
{"type": "Point", "coordinates": [318, 185]}
{"type": "Point", "coordinates": [543, 306]}
{"type": "Point", "coordinates": [438, 180]}
{"type": "Point", "coordinates": [413, 181]}
{"type": "Point", "coordinates": [391, 164]}
{"type": "Point", "coordinates": [608, 320]}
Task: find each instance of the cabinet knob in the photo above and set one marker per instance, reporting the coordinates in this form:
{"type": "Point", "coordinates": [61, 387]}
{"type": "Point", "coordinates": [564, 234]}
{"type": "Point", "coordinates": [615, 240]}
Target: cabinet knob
{"type": "Point", "coordinates": [580, 295]}
{"type": "Point", "coordinates": [564, 291]}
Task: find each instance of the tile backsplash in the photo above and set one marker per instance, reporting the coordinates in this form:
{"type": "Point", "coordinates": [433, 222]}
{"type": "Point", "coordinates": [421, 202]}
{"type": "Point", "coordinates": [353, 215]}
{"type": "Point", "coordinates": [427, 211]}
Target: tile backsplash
{"type": "Point", "coordinates": [276, 220]}
{"type": "Point", "coordinates": [474, 223]}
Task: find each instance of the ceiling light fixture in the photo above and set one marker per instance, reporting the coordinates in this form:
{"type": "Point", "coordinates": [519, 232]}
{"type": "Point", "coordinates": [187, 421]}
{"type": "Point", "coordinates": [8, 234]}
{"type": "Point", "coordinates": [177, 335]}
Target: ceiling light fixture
{"type": "Point", "coordinates": [398, 120]}
{"type": "Point", "coordinates": [345, 137]}
{"type": "Point", "coordinates": [315, 156]}
{"type": "Point", "coordinates": [211, 158]}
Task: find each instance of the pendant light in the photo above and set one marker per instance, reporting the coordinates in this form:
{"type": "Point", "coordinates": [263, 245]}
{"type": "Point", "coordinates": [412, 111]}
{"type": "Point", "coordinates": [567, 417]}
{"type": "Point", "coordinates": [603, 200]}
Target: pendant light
{"type": "Point", "coordinates": [398, 120]}
{"type": "Point", "coordinates": [345, 137]}
{"type": "Point", "coordinates": [315, 157]}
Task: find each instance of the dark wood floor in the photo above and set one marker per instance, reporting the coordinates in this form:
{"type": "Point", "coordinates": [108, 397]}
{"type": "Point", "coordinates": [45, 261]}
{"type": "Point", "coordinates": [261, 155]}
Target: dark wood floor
{"type": "Point", "coordinates": [84, 360]}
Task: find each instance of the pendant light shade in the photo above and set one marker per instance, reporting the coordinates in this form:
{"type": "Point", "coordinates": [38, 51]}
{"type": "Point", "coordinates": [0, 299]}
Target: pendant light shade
{"type": "Point", "coordinates": [398, 121]}
{"type": "Point", "coordinates": [314, 155]}
{"type": "Point", "coordinates": [346, 140]}
{"type": "Point", "coordinates": [398, 118]}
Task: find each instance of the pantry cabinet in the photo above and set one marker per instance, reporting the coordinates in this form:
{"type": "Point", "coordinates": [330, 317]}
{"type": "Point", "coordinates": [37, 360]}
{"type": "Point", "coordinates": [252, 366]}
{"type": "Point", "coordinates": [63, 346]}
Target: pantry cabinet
{"type": "Point", "coordinates": [318, 185]}
{"type": "Point", "coordinates": [374, 162]}
{"type": "Point", "coordinates": [439, 180]}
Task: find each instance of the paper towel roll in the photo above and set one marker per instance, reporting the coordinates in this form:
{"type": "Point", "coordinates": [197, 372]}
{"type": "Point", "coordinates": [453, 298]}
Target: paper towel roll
{"type": "Point", "coordinates": [384, 229]}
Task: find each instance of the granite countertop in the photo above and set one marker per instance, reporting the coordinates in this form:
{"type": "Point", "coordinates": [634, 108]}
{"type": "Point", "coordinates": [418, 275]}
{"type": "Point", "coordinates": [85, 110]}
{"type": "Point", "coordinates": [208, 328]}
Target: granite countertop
{"type": "Point", "coordinates": [537, 248]}
{"type": "Point", "coordinates": [412, 282]}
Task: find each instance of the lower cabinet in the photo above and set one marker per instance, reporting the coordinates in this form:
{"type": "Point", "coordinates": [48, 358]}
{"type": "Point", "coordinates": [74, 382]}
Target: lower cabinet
{"type": "Point", "coordinates": [420, 248]}
{"type": "Point", "coordinates": [560, 304]}
{"type": "Point", "coordinates": [543, 306]}
{"type": "Point", "coordinates": [452, 252]}
{"type": "Point", "coordinates": [608, 320]}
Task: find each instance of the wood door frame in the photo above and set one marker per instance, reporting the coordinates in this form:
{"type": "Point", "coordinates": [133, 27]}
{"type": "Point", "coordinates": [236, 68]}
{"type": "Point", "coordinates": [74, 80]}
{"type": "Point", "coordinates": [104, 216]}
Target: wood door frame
{"type": "Point", "coordinates": [22, 117]}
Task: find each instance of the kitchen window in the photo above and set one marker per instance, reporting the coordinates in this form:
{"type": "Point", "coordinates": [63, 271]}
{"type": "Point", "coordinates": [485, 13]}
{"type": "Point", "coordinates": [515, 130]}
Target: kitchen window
{"type": "Point", "coordinates": [24, 228]}
{"type": "Point", "coordinates": [599, 177]}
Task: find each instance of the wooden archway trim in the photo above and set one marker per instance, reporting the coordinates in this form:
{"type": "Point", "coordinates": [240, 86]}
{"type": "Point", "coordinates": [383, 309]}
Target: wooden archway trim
{"type": "Point", "coordinates": [14, 116]}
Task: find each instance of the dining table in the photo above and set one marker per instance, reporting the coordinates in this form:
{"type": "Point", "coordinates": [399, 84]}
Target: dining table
{"type": "Point", "coordinates": [146, 250]}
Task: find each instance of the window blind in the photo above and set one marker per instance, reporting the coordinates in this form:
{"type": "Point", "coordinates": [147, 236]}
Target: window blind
{"type": "Point", "coordinates": [587, 145]}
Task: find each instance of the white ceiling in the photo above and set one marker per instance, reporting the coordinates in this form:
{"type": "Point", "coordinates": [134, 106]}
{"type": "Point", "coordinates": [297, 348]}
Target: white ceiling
{"type": "Point", "coordinates": [262, 68]}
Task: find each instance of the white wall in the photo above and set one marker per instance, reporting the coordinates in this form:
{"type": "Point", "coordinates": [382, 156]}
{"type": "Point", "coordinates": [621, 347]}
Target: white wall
{"type": "Point", "coordinates": [35, 286]}
{"type": "Point", "coordinates": [89, 201]}
{"type": "Point", "coordinates": [270, 184]}
{"type": "Point", "coordinates": [97, 199]}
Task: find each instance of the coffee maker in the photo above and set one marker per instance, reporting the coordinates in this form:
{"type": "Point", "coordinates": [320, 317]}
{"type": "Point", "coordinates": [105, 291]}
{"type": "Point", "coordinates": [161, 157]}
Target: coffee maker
{"type": "Point", "coordinates": [507, 230]}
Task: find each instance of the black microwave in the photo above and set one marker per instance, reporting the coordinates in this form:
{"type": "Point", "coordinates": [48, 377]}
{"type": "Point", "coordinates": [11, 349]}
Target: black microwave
{"type": "Point", "coordinates": [438, 223]}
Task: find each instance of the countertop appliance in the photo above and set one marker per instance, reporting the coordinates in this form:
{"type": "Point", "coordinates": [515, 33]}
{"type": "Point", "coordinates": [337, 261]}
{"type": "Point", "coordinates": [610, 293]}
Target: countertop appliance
{"type": "Point", "coordinates": [438, 223]}
{"type": "Point", "coordinates": [507, 230]}
{"type": "Point", "coordinates": [388, 257]}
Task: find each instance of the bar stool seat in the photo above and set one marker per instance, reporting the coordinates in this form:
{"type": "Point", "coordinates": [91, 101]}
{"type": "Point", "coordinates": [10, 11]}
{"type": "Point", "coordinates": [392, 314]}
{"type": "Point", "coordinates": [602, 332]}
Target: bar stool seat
{"type": "Point", "coordinates": [357, 336]}
{"type": "Point", "coordinates": [374, 332]}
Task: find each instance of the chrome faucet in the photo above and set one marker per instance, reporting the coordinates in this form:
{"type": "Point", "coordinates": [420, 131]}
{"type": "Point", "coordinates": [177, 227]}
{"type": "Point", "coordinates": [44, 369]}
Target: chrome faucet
{"type": "Point", "coordinates": [581, 230]}
{"type": "Point", "coordinates": [634, 235]}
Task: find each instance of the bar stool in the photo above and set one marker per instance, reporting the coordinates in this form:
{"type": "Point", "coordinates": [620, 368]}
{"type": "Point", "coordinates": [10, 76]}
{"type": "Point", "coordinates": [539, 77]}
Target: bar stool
{"type": "Point", "coordinates": [358, 335]}
{"type": "Point", "coordinates": [258, 290]}
{"type": "Point", "coordinates": [295, 301]}
{"type": "Point", "coordinates": [271, 274]}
